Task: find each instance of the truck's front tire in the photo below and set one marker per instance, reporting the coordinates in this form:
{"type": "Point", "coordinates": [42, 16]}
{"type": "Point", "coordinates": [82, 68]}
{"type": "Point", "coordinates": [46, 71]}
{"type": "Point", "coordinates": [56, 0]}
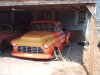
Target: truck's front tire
{"type": "Point", "coordinates": [56, 54]}
{"type": "Point", "coordinates": [4, 45]}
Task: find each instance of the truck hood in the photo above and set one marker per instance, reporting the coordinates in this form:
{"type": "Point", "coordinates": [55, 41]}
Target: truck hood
{"type": "Point", "coordinates": [35, 38]}
{"type": "Point", "coordinates": [37, 35]}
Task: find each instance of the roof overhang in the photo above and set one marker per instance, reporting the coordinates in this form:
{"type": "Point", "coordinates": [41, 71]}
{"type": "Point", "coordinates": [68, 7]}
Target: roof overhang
{"type": "Point", "coordinates": [42, 2]}
{"type": "Point", "coordinates": [30, 5]}
{"type": "Point", "coordinates": [53, 7]}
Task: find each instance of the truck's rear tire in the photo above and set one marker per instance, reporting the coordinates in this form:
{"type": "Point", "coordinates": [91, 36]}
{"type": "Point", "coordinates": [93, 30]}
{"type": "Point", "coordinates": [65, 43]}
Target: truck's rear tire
{"type": "Point", "coordinates": [68, 44]}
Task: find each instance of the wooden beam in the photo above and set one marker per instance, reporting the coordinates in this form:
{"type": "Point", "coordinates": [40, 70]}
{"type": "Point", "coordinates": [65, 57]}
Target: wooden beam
{"type": "Point", "coordinates": [42, 2]}
{"type": "Point", "coordinates": [91, 51]}
{"type": "Point", "coordinates": [92, 9]}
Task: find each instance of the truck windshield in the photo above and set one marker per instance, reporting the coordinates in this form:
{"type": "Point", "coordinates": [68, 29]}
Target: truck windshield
{"type": "Point", "coordinates": [43, 27]}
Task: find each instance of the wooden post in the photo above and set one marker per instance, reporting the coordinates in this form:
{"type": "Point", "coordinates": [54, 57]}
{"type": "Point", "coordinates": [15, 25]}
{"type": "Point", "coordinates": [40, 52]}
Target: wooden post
{"type": "Point", "coordinates": [12, 17]}
{"type": "Point", "coordinates": [91, 52]}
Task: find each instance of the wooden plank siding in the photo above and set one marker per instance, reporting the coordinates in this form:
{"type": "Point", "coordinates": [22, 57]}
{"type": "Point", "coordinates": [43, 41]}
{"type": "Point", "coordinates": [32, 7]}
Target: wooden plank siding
{"type": "Point", "coordinates": [42, 2]}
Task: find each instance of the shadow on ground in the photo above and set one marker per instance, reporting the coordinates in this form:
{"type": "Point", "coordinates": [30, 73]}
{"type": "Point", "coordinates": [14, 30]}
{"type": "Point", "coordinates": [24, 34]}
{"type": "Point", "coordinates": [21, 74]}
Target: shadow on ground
{"type": "Point", "coordinates": [74, 53]}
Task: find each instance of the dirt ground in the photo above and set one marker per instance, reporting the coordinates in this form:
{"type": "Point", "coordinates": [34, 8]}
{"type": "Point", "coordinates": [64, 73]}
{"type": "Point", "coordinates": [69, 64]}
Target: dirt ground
{"type": "Point", "coordinates": [75, 63]}
{"type": "Point", "coordinates": [81, 64]}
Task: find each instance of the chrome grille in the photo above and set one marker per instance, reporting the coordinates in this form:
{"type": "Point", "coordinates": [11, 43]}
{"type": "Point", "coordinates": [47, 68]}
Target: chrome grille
{"type": "Point", "coordinates": [28, 49]}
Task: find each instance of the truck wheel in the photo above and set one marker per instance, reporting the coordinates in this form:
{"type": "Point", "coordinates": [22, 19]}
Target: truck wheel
{"type": "Point", "coordinates": [56, 55]}
{"type": "Point", "coordinates": [4, 45]}
{"type": "Point", "coordinates": [67, 41]}
{"type": "Point", "coordinates": [68, 44]}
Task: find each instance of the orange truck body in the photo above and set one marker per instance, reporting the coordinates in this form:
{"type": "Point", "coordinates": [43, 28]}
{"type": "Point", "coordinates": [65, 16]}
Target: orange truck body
{"type": "Point", "coordinates": [39, 43]}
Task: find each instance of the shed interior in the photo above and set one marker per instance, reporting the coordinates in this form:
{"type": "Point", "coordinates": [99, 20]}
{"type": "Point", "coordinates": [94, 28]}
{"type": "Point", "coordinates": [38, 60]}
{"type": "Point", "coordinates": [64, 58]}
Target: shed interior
{"type": "Point", "coordinates": [74, 17]}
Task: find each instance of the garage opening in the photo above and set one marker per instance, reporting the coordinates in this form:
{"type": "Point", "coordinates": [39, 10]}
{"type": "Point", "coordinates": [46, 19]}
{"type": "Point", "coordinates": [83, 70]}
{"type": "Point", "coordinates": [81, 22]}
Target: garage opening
{"type": "Point", "coordinates": [75, 18]}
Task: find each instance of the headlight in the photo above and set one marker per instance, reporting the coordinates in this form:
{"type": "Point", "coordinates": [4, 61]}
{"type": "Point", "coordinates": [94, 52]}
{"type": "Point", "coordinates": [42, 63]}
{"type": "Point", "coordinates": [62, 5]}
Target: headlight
{"type": "Point", "coordinates": [45, 46]}
{"type": "Point", "coordinates": [13, 44]}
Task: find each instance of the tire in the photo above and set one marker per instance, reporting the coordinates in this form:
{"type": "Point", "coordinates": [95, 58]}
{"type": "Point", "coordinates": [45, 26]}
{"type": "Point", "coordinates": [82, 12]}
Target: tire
{"type": "Point", "coordinates": [53, 54]}
{"type": "Point", "coordinates": [4, 45]}
{"type": "Point", "coordinates": [67, 43]}
{"type": "Point", "coordinates": [56, 55]}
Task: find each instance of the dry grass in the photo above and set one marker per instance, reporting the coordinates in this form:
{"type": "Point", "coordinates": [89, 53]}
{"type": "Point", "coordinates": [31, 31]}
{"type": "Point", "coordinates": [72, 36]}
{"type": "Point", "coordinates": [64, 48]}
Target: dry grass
{"type": "Point", "coordinates": [82, 68]}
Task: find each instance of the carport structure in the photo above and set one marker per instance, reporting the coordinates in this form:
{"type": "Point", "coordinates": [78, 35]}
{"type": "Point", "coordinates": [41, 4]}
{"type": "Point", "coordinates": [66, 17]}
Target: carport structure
{"type": "Point", "coordinates": [75, 15]}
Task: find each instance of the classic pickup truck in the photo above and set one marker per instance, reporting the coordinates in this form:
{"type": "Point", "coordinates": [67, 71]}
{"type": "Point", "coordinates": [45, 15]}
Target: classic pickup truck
{"type": "Point", "coordinates": [42, 41]}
